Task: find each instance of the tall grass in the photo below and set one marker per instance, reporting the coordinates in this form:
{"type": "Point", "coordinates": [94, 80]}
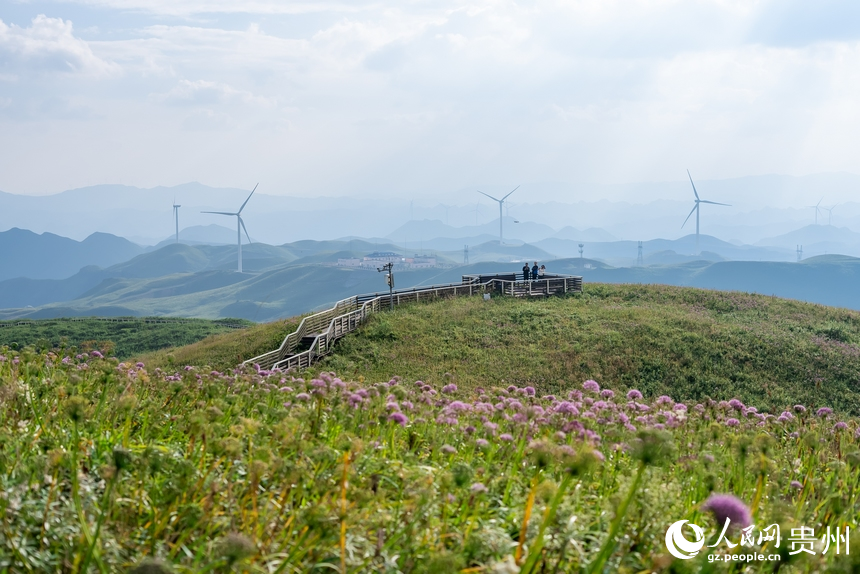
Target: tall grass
{"type": "Point", "coordinates": [690, 343]}
{"type": "Point", "coordinates": [112, 466]}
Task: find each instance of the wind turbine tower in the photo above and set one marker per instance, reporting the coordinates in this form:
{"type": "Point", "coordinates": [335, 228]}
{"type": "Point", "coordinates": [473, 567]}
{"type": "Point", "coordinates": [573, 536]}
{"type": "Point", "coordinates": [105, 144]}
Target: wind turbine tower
{"type": "Point", "coordinates": [799, 253]}
{"type": "Point", "coordinates": [240, 225]}
{"type": "Point", "coordinates": [696, 209]}
{"type": "Point", "coordinates": [176, 217]}
{"type": "Point", "coordinates": [501, 204]}
{"type": "Point", "coordinates": [816, 208]}
{"type": "Point", "coordinates": [640, 260]}
{"type": "Point", "coordinates": [829, 211]}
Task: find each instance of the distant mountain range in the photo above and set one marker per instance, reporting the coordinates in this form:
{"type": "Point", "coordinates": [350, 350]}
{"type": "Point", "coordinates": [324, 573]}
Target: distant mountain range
{"type": "Point", "coordinates": [201, 281]}
{"type": "Point", "coordinates": [763, 206]}
{"type": "Point", "coordinates": [49, 256]}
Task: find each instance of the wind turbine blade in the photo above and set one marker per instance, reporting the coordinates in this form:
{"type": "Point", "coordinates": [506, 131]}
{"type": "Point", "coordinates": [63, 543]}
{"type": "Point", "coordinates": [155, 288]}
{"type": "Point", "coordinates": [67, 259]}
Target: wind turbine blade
{"type": "Point", "coordinates": [242, 223]}
{"type": "Point", "coordinates": [219, 212]}
{"type": "Point", "coordinates": [693, 184]}
{"type": "Point", "coordinates": [819, 203]}
{"type": "Point", "coordinates": [249, 197]}
{"type": "Point", "coordinates": [490, 196]}
{"type": "Point", "coordinates": [714, 202]}
{"type": "Point", "coordinates": [695, 207]}
{"type": "Point", "coordinates": [513, 190]}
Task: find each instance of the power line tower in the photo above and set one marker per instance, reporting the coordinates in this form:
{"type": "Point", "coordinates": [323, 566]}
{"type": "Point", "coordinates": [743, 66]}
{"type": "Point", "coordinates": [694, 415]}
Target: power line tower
{"type": "Point", "coordinates": [639, 259]}
{"type": "Point", "coordinates": [581, 245]}
{"type": "Point", "coordinates": [799, 253]}
{"type": "Point", "coordinates": [465, 255]}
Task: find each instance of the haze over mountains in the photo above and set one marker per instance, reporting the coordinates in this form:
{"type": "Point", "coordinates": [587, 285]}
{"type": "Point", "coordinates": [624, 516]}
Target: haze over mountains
{"type": "Point", "coordinates": [762, 207]}
{"type": "Point", "coordinates": [121, 256]}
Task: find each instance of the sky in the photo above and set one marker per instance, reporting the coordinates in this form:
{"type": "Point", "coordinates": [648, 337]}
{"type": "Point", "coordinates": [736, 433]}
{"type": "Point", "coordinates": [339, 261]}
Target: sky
{"type": "Point", "coordinates": [416, 98]}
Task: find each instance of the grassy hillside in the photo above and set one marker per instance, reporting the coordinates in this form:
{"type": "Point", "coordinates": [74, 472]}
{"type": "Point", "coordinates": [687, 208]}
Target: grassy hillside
{"type": "Point", "coordinates": [109, 467]}
{"type": "Point", "coordinates": [122, 337]}
{"type": "Point", "coordinates": [688, 343]}
{"type": "Point", "coordinates": [224, 351]}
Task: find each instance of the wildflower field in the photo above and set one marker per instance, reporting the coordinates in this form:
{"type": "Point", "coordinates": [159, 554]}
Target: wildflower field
{"type": "Point", "coordinates": [109, 466]}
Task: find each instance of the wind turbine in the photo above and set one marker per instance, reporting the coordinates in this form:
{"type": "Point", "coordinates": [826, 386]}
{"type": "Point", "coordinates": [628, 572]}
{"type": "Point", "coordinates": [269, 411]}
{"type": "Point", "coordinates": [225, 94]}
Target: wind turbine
{"type": "Point", "coordinates": [176, 217]}
{"type": "Point", "coordinates": [477, 211]}
{"type": "Point", "coordinates": [696, 209]}
{"type": "Point", "coordinates": [240, 225]}
{"type": "Point", "coordinates": [816, 208]}
{"type": "Point", "coordinates": [446, 207]}
{"type": "Point", "coordinates": [829, 211]}
{"type": "Point", "coordinates": [501, 203]}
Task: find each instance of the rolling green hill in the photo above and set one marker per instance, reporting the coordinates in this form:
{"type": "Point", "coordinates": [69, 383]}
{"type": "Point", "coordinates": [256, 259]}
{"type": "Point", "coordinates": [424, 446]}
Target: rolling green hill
{"type": "Point", "coordinates": [684, 342]}
{"type": "Point", "coordinates": [122, 337]}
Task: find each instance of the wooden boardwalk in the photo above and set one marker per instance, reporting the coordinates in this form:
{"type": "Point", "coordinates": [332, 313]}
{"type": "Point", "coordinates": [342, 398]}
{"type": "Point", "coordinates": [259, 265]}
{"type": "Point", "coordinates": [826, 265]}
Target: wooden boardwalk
{"type": "Point", "coordinates": [317, 334]}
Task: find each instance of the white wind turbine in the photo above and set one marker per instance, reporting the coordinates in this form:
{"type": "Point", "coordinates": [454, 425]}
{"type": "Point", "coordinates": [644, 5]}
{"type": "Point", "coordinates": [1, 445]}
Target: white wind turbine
{"type": "Point", "coordinates": [176, 217]}
{"type": "Point", "coordinates": [501, 203]}
{"type": "Point", "coordinates": [816, 208]}
{"type": "Point", "coordinates": [829, 211]}
{"type": "Point", "coordinates": [240, 225]}
{"type": "Point", "coordinates": [696, 209]}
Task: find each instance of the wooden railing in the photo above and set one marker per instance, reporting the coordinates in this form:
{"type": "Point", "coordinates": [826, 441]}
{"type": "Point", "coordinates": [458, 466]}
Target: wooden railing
{"type": "Point", "coordinates": [321, 330]}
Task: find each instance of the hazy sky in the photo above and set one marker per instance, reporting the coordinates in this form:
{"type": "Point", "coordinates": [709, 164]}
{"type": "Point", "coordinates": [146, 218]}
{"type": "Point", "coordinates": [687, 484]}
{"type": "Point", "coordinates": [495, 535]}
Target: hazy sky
{"type": "Point", "coordinates": [412, 98]}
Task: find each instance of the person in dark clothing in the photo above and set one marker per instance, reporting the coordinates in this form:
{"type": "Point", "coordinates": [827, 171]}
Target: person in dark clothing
{"type": "Point", "coordinates": [525, 271]}
{"type": "Point", "coordinates": [534, 270]}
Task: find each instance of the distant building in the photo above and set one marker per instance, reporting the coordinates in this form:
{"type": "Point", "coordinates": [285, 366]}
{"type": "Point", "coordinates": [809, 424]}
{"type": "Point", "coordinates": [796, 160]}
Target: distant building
{"type": "Point", "coordinates": [349, 262]}
{"type": "Point", "coordinates": [420, 262]}
{"type": "Point", "coordinates": [378, 258]}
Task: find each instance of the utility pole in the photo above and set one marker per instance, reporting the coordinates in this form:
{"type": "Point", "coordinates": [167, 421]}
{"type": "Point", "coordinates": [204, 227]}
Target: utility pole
{"type": "Point", "coordinates": [799, 253]}
{"type": "Point", "coordinates": [581, 245]}
{"type": "Point", "coordinates": [389, 278]}
{"type": "Point", "coordinates": [465, 255]}
{"type": "Point", "coordinates": [639, 259]}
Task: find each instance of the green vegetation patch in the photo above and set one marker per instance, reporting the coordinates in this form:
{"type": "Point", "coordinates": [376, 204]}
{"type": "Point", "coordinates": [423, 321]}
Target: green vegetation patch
{"type": "Point", "coordinates": [120, 467]}
{"type": "Point", "coordinates": [122, 336]}
{"type": "Point", "coordinates": [689, 343]}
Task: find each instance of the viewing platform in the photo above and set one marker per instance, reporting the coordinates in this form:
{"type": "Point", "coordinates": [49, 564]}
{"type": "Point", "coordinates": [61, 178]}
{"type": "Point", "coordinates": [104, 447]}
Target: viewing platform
{"type": "Point", "coordinates": [316, 334]}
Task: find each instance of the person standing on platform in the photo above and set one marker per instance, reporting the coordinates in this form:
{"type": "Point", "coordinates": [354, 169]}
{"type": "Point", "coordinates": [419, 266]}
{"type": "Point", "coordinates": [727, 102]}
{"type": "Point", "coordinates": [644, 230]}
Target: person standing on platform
{"type": "Point", "coordinates": [534, 270]}
{"type": "Point", "coordinates": [542, 271]}
{"type": "Point", "coordinates": [525, 271]}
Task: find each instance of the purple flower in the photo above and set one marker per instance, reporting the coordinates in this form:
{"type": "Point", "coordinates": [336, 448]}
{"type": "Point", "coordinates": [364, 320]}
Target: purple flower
{"type": "Point", "coordinates": [507, 437]}
{"type": "Point", "coordinates": [481, 443]}
{"type": "Point", "coordinates": [633, 394]}
{"type": "Point", "coordinates": [530, 391]}
{"type": "Point", "coordinates": [680, 407]}
{"type": "Point", "coordinates": [448, 449]}
{"type": "Point", "coordinates": [303, 397]}
{"type": "Point", "coordinates": [728, 507]}
{"type": "Point", "coordinates": [824, 411]}
{"type": "Point", "coordinates": [733, 422]}
{"type": "Point", "coordinates": [139, 365]}
{"type": "Point", "coordinates": [478, 488]}
{"type": "Point", "coordinates": [607, 394]}
{"type": "Point", "coordinates": [665, 400]}
{"type": "Point", "coordinates": [97, 355]}
{"type": "Point", "coordinates": [567, 408]}
{"type": "Point", "coordinates": [398, 418]}
{"type": "Point", "coordinates": [449, 388]}
{"type": "Point", "coordinates": [796, 484]}
{"type": "Point", "coordinates": [840, 426]}
{"type": "Point", "coordinates": [591, 385]}
{"type": "Point", "coordinates": [799, 409]}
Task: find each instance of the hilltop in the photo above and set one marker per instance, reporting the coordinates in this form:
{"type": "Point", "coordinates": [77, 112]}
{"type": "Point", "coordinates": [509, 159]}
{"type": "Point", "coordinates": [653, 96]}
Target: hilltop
{"type": "Point", "coordinates": [684, 342]}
